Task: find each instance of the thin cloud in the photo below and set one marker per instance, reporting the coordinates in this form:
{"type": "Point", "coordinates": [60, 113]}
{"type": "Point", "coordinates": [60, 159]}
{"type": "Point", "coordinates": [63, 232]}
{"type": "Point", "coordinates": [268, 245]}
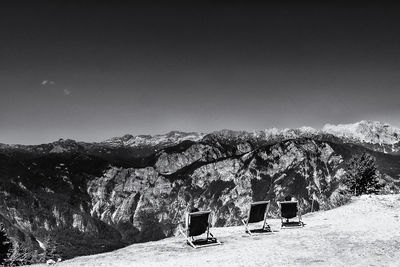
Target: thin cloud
{"type": "Point", "coordinates": [67, 91]}
{"type": "Point", "coordinates": [48, 82]}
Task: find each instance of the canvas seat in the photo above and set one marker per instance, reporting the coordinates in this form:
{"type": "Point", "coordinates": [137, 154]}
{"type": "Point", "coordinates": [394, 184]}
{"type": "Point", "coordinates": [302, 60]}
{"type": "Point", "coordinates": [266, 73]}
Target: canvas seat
{"type": "Point", "coordinates": [290, 210]}
{"type": "Point", "coordinates": [257, 213]}
{"type": "Point", "coordinates": [197, 224]}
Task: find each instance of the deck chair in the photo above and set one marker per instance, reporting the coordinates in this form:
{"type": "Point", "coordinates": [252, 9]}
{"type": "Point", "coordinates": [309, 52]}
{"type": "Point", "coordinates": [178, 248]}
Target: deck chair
{"type": "Point", "coordinates": [290, 210]}
{"type": "Point", "coordinates": [197, 224]}
{"type": "Point", "coordinates": [257, 213]}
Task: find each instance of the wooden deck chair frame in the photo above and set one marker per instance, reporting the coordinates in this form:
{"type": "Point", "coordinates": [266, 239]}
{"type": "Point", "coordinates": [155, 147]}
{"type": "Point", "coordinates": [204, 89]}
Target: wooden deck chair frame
{"type": "Point", "coordinates": [190, 239]}
{"type": "Point", "coordinates": [265, 224]}
{"type": "Point", "coordinates": [284, 224]}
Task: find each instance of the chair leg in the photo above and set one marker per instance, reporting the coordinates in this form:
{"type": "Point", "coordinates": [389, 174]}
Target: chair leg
{"type": "Point", "coordinates": [247, 230]}
{"type": "Point", "coordinates": [265, 221]}
{"type": "Point", "coordinates": [216, 240]}
{"type": "Point", "coordinates": [188, 239]}
{"type": "Point", "coordinates": [191, 243]}
{"type": "Point", "coordinates": [266, 225]}
{"type": "Point", "coordinates": [300, 220]}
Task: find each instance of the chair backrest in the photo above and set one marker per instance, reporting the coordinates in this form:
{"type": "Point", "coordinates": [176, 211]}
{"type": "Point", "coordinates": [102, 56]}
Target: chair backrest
{"type": "Point", "coordinates": [257, 211]}
{"type": "Point", "coordinates": [198, 222]}
{"type": "Point", "coordinates": [289, 209]}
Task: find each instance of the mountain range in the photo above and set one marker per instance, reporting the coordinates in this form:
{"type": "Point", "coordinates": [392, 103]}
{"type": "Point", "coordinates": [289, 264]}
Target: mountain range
{"type": "Point", "coordinates": [95, 197]}
{"type": "Point", "coordinates": [371, 134]}
{"type": "Point", "coordinates": [380, 136]}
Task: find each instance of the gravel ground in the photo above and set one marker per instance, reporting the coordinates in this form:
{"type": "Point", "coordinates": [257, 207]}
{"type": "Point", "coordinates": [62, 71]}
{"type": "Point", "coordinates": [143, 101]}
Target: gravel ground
{"type": "Point", "coordinates": [365, 232]}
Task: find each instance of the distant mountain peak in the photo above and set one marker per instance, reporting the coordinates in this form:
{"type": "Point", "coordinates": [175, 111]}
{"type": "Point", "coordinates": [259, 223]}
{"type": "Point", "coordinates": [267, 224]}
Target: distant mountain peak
{"type": "Point", "coordinates": [170, 138]}
{"type": "Point", "coordinates": [380, 136]}
{"type": "Point", "coordinates": [367, 131]}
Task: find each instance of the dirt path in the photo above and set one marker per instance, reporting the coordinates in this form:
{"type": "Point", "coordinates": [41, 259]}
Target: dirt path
{"type": "Point", "coordinates": [365, 232]}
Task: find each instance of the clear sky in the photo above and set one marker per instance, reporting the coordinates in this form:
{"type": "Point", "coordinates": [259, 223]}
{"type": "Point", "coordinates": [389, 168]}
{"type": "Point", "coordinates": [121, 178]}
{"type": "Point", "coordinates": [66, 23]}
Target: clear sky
{"type": "Point", "coordinates": [94, 71]}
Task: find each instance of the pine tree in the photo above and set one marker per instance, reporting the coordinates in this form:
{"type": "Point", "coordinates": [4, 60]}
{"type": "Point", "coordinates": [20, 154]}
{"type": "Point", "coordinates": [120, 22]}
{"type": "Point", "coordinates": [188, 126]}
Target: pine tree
{"type": "Point", "coordinates": [362, 175]}
{"type": "Point", "coordinates": [19, 255]}
{"type": "Point", "coordinates": [5, 245]}
{"type": "Point", "coordinates": [50, 251]}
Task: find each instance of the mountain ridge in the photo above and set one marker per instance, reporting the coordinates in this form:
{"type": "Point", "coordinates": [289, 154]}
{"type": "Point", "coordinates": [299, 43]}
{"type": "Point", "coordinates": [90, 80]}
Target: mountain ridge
{"type": "Point", "coordinates": [371, 134]}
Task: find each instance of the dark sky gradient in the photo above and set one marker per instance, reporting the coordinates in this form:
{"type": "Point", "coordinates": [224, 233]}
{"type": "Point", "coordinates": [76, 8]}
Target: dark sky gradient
{"type": "Point", "coordinates": [150, 69]}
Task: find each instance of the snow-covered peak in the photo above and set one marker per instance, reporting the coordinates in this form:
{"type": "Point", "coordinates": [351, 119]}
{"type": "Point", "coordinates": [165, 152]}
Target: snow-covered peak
{"type": "Point", "coordinates": [369, 132]}
{"type": "Point", "coordinates": [288, 133]}
{"type": "Point", "coordinates": [173, 137]}
{"type": "Point", "coordinates": [373, 132]}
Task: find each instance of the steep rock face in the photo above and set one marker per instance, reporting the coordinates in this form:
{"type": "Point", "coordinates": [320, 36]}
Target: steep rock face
{"type": "Point", "coordinates": [45, 196]}
{"type": "Point", "coordinates": [148, 203]}
{"type": "Point", "coordinates": [168, 163]}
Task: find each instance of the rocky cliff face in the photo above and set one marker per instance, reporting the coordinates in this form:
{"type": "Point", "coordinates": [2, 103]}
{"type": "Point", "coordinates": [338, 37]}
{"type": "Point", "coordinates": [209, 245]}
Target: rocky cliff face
{"type": "Point", "coordinates": [97, 197]}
